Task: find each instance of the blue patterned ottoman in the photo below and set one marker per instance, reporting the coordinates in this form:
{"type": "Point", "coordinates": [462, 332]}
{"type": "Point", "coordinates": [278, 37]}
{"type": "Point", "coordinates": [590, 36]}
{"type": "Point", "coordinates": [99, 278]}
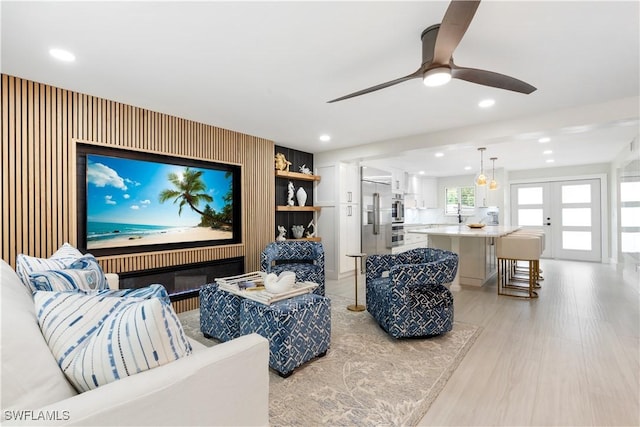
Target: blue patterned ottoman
{"type": "Point", "coordinates": [219, 313]}
{"type": "Point", "coordinates": [298, 329]}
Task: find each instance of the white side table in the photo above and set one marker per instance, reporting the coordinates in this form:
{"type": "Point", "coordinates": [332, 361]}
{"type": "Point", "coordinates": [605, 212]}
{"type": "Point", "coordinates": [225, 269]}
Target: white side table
{"type": "Point", "coordinates": [356, 306]}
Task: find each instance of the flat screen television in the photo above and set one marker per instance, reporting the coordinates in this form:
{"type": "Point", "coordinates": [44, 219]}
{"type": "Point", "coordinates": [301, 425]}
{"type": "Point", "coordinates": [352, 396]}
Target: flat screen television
{"type": "Point", "coordinates": [130, 201]}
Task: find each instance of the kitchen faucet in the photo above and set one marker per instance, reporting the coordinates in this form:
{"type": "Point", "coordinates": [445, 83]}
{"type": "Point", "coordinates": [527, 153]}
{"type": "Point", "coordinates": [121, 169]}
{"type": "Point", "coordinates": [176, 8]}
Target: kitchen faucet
{"type": "Point", "coordinates": [459, 213]}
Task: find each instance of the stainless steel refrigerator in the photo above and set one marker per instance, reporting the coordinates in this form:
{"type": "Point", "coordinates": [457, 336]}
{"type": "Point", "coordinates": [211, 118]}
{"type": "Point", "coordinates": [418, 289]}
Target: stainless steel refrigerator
{"type": "Point", "coordinates": [376, 211]}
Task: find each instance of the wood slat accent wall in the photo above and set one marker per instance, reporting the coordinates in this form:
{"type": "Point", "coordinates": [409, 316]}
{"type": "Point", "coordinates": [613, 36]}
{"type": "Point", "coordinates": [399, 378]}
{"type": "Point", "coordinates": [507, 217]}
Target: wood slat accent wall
{"type": "Point", "coordinates": [40, 127]}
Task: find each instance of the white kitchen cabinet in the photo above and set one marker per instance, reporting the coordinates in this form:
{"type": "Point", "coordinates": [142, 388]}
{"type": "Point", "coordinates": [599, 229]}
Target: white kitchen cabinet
{"type": "Point", "coordinates": [398, 181]}
{"type": "Point", "coordinates": [349, 235]}
{"type": "Point", "coordinates": [339, 220]}
{"type": "Point", "coordinates": [428, 194]}
{"type": "Point", "coordinates": [349, 186]}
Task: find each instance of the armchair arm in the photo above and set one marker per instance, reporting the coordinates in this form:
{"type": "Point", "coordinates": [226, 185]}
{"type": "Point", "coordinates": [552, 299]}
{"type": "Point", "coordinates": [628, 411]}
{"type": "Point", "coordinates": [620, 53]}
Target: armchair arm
{"type": "Point", "coordinates": [427, 274]}
{"type": "Point", "coordinates": [378, 264]}
{"type": "Point", "coordinates": [213, 386]}
{"type": "Point", "coordinates": [268, 255]}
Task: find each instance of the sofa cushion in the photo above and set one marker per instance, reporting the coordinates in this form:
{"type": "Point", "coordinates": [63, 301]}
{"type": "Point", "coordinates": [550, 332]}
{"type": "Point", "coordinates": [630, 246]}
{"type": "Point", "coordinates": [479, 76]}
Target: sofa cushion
{"type": "Point", "coordinates": [98, 339]}
{"type": "Point", "coordinates": [62, 258]}
{"type": "Point", "coordinates": [30, 376]}
{"type": "Point", "coordinates": [83, 274]}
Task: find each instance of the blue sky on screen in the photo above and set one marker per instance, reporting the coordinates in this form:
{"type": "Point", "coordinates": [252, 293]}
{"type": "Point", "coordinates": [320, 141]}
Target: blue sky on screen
{"type": "Point", "coordinates": [127, 191]}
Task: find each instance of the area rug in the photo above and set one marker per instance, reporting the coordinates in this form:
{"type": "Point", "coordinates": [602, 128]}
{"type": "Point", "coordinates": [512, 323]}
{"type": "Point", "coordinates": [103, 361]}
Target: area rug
{"type": "Point", "coordinates": [366, 378]}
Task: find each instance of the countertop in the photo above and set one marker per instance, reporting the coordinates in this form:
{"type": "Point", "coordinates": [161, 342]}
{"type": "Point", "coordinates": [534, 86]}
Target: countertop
{"type": "Point", "coordinates": [464, 231]}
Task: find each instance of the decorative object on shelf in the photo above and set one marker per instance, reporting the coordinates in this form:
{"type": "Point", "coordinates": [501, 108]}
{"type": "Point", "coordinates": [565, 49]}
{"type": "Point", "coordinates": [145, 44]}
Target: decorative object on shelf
{"type": "Point", "coordinates": [291, 189]}
{"type": "Point", "coordinates": [301, 195]}
{"type": "Point", "coordinates": [298, 230]}
{"type": "Point", "coordinates": [282, 163]}
{"type": "Point", "coordinates": [493, 185]}
{"type": "Point", "coordinates": [312, 229]}
{"type": "Point", "coordinates": [282, 234]}
{"type": "Point", "coordinates": [481, 179]}
{"type": "Point", "coordinates": [305, 170]}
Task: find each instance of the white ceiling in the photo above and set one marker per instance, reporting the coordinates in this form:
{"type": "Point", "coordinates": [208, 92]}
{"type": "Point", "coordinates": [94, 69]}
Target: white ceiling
{"type": "Point", "coordinates": [268, 68]}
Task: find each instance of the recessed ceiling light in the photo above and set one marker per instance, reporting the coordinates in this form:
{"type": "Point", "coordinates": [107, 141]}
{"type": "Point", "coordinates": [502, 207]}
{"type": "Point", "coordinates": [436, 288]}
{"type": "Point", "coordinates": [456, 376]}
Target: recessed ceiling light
{"type": "Point", "coordinates": [550, 160]}
{"type": "Point", "coordinates": [62, 55]}
{"type": "Point", "coordinates": [547, 152]}
{"type": "Point", "coordinates": [439, 154]}
{"type": "Point", "coordinates": [325, 138]}
{"type": "Point", "coordinates": [467, 168]}
{"type": "Point", "coordinates": [486, 103]}
{"type": "Point", "coordinates": [421, 173]}
{"type": "Point", "coordinates": [544, 140]}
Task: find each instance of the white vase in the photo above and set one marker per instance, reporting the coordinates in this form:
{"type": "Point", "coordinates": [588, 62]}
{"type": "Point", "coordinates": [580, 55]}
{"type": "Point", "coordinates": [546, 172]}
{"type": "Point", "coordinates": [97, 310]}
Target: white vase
{"type": "Point", "coordinates": [301, 195]}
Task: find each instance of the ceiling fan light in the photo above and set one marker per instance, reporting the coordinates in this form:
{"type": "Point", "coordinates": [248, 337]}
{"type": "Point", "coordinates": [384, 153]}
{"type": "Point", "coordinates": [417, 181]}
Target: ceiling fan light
{"type": "Point", "coordinates": [437, 77]}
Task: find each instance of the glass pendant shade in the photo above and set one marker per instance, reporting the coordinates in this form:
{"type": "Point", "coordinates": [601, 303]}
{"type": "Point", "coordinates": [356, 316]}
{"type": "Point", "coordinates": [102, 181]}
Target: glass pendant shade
{"type": "Point", "coordinates": [481, 179]}
{"type": "Point", "coordinates": [493, 185]}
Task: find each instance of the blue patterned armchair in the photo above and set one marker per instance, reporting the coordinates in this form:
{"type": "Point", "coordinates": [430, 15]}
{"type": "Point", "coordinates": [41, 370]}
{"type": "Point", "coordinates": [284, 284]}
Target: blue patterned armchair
{"type": "Point", "coordinates": [303, 257]}
{"type": "Point", "coordinates": [412, 300]}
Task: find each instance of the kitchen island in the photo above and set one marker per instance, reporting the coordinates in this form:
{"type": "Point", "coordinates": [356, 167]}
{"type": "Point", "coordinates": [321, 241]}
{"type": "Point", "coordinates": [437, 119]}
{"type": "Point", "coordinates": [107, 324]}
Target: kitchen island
{"type": "Point", "coordinates": [475, 247]}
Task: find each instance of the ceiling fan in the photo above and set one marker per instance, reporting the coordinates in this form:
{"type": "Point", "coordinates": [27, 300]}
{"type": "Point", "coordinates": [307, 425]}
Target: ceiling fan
{"type": "Point", "coordinates": [438, 43]}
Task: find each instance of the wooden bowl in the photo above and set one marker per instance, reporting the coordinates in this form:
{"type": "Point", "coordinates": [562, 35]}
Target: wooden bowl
{"type": "Point", "coordinates": [475, 225]}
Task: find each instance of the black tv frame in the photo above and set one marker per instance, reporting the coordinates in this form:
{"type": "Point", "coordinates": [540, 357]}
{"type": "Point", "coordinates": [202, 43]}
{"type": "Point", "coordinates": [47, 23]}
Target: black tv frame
{"type": "Point", "coordinates": [83, 149]}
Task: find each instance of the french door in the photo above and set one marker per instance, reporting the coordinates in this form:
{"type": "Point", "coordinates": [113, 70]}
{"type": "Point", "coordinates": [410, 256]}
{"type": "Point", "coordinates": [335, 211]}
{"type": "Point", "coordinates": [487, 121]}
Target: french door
{"type": "Point", "coordinates": [567, 211]}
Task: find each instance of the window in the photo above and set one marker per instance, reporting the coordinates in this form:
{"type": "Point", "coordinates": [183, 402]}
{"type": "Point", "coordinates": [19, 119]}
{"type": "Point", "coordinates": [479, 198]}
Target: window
{"type": "Point", "coordinates": [460, 198]}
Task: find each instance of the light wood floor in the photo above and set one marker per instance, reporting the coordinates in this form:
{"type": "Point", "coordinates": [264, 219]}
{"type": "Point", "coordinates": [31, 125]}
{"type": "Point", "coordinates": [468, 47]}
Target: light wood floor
{"type": "Point", "coordinates": [571, 357]}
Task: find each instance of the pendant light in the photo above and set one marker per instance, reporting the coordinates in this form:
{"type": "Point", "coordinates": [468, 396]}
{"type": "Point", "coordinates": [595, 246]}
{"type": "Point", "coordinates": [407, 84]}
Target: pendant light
{"type": "Point", "coordinates": [481, 179]}
{"type": "Point", "coordinates": [493, 185]}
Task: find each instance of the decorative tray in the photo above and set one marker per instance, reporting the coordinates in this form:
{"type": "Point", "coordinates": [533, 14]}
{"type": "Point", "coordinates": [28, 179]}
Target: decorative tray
{"type": "Point", "coordinates": [475, 225]}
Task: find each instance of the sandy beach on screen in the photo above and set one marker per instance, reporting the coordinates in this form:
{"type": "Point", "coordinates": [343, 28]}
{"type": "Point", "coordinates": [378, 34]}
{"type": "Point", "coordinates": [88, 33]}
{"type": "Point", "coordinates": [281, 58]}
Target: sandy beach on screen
{"type": "Point", "coordinates": [171, 236]}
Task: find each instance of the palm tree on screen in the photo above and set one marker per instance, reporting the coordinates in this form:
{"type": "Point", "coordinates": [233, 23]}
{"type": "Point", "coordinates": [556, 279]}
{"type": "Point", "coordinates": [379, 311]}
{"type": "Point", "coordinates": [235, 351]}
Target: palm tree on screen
{"type": "Point", "coordinates": [189, 190]}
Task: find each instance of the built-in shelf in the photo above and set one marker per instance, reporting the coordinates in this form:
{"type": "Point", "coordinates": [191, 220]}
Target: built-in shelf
{"type": "Point", "coordinates": [297, 175]}
{"type": "Point", "coordinates": [298, 208]}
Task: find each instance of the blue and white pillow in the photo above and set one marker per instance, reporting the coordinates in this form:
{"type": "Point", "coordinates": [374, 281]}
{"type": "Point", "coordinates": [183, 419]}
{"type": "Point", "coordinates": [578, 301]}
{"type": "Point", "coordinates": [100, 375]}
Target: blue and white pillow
{"type": "Point", "coordinates": [62, 258]}
{"type": "Point", "coordinates": [84, 274]}
{"type": "Point", "coordinates": [99, 339]}
{"type": "Point", "coordinates": [151, 291]}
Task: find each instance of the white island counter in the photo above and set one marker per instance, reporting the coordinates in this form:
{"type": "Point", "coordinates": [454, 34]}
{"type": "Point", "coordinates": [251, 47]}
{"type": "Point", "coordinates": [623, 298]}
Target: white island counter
{"type": "Point", "coordinates": [474, 246]}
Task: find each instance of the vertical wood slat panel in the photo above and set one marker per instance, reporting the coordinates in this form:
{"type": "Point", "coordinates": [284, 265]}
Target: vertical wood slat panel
{"type": "Point", "coordinates": [40, 125]}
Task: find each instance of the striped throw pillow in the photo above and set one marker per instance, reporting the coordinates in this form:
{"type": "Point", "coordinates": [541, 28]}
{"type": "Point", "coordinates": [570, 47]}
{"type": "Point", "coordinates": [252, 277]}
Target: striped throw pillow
{"type": "Point", "coordinates": [62, 258]}
{"type": "Point", "coordinates": [98, 339]}
{"type": "Point", "coordinates": [84, 274]}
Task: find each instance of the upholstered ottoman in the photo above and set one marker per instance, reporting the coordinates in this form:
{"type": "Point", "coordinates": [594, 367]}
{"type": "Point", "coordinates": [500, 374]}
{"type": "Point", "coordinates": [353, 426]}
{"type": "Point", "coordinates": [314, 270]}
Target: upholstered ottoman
{"type": "Point", "coordinates": [298, 329]}
{"type": "Point", "coordinates": [219, 313]}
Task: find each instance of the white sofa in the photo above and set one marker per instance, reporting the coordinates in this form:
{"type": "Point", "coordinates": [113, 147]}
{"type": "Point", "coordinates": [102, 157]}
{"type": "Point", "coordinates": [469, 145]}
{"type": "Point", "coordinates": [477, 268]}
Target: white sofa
{"type": "Point", "coordinates": [227, 384]}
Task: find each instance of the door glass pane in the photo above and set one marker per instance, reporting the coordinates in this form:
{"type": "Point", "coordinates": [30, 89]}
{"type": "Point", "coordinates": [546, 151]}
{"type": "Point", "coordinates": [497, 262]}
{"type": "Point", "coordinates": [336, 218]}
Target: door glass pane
{"type": "Point", "coordinates": [630, 242]}
{"type": "Point", "coordinates": [630, 217]}
{"type": "Point", "coordinates": [630, 191]}
{"type": "Point", "coordinates": [576, 193]}
{"type": "Point", "coordinates": [530, 196]}
{"type": "Point", "coordinates": [530, 217]}
{"type": "Point", "coordinates": [576, 217]}
{"type": "Point", "coordinates": [576, 240]}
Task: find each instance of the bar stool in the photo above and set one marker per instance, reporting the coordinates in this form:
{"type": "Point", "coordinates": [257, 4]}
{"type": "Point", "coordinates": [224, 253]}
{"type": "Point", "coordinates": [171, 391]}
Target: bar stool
{"type": "Point", "coordinates": [537, 233]}
{"type": "Point", "coordinates": [513, 248]}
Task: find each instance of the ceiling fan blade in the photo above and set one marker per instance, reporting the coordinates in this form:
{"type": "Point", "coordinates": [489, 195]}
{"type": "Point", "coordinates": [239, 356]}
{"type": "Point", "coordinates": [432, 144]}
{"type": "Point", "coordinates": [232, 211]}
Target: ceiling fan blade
{"type": "Point", "coordinates": [380, 86]}
{"type": "Point", "coordinates": [489, 78]}
{"type": "Point", "coordinates": [454, 24]}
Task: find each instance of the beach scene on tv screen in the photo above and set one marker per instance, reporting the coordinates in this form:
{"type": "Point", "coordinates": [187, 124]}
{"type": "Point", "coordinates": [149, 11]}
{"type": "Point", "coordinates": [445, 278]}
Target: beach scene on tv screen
{"type": "Point", "coordinates": [136, 202]}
